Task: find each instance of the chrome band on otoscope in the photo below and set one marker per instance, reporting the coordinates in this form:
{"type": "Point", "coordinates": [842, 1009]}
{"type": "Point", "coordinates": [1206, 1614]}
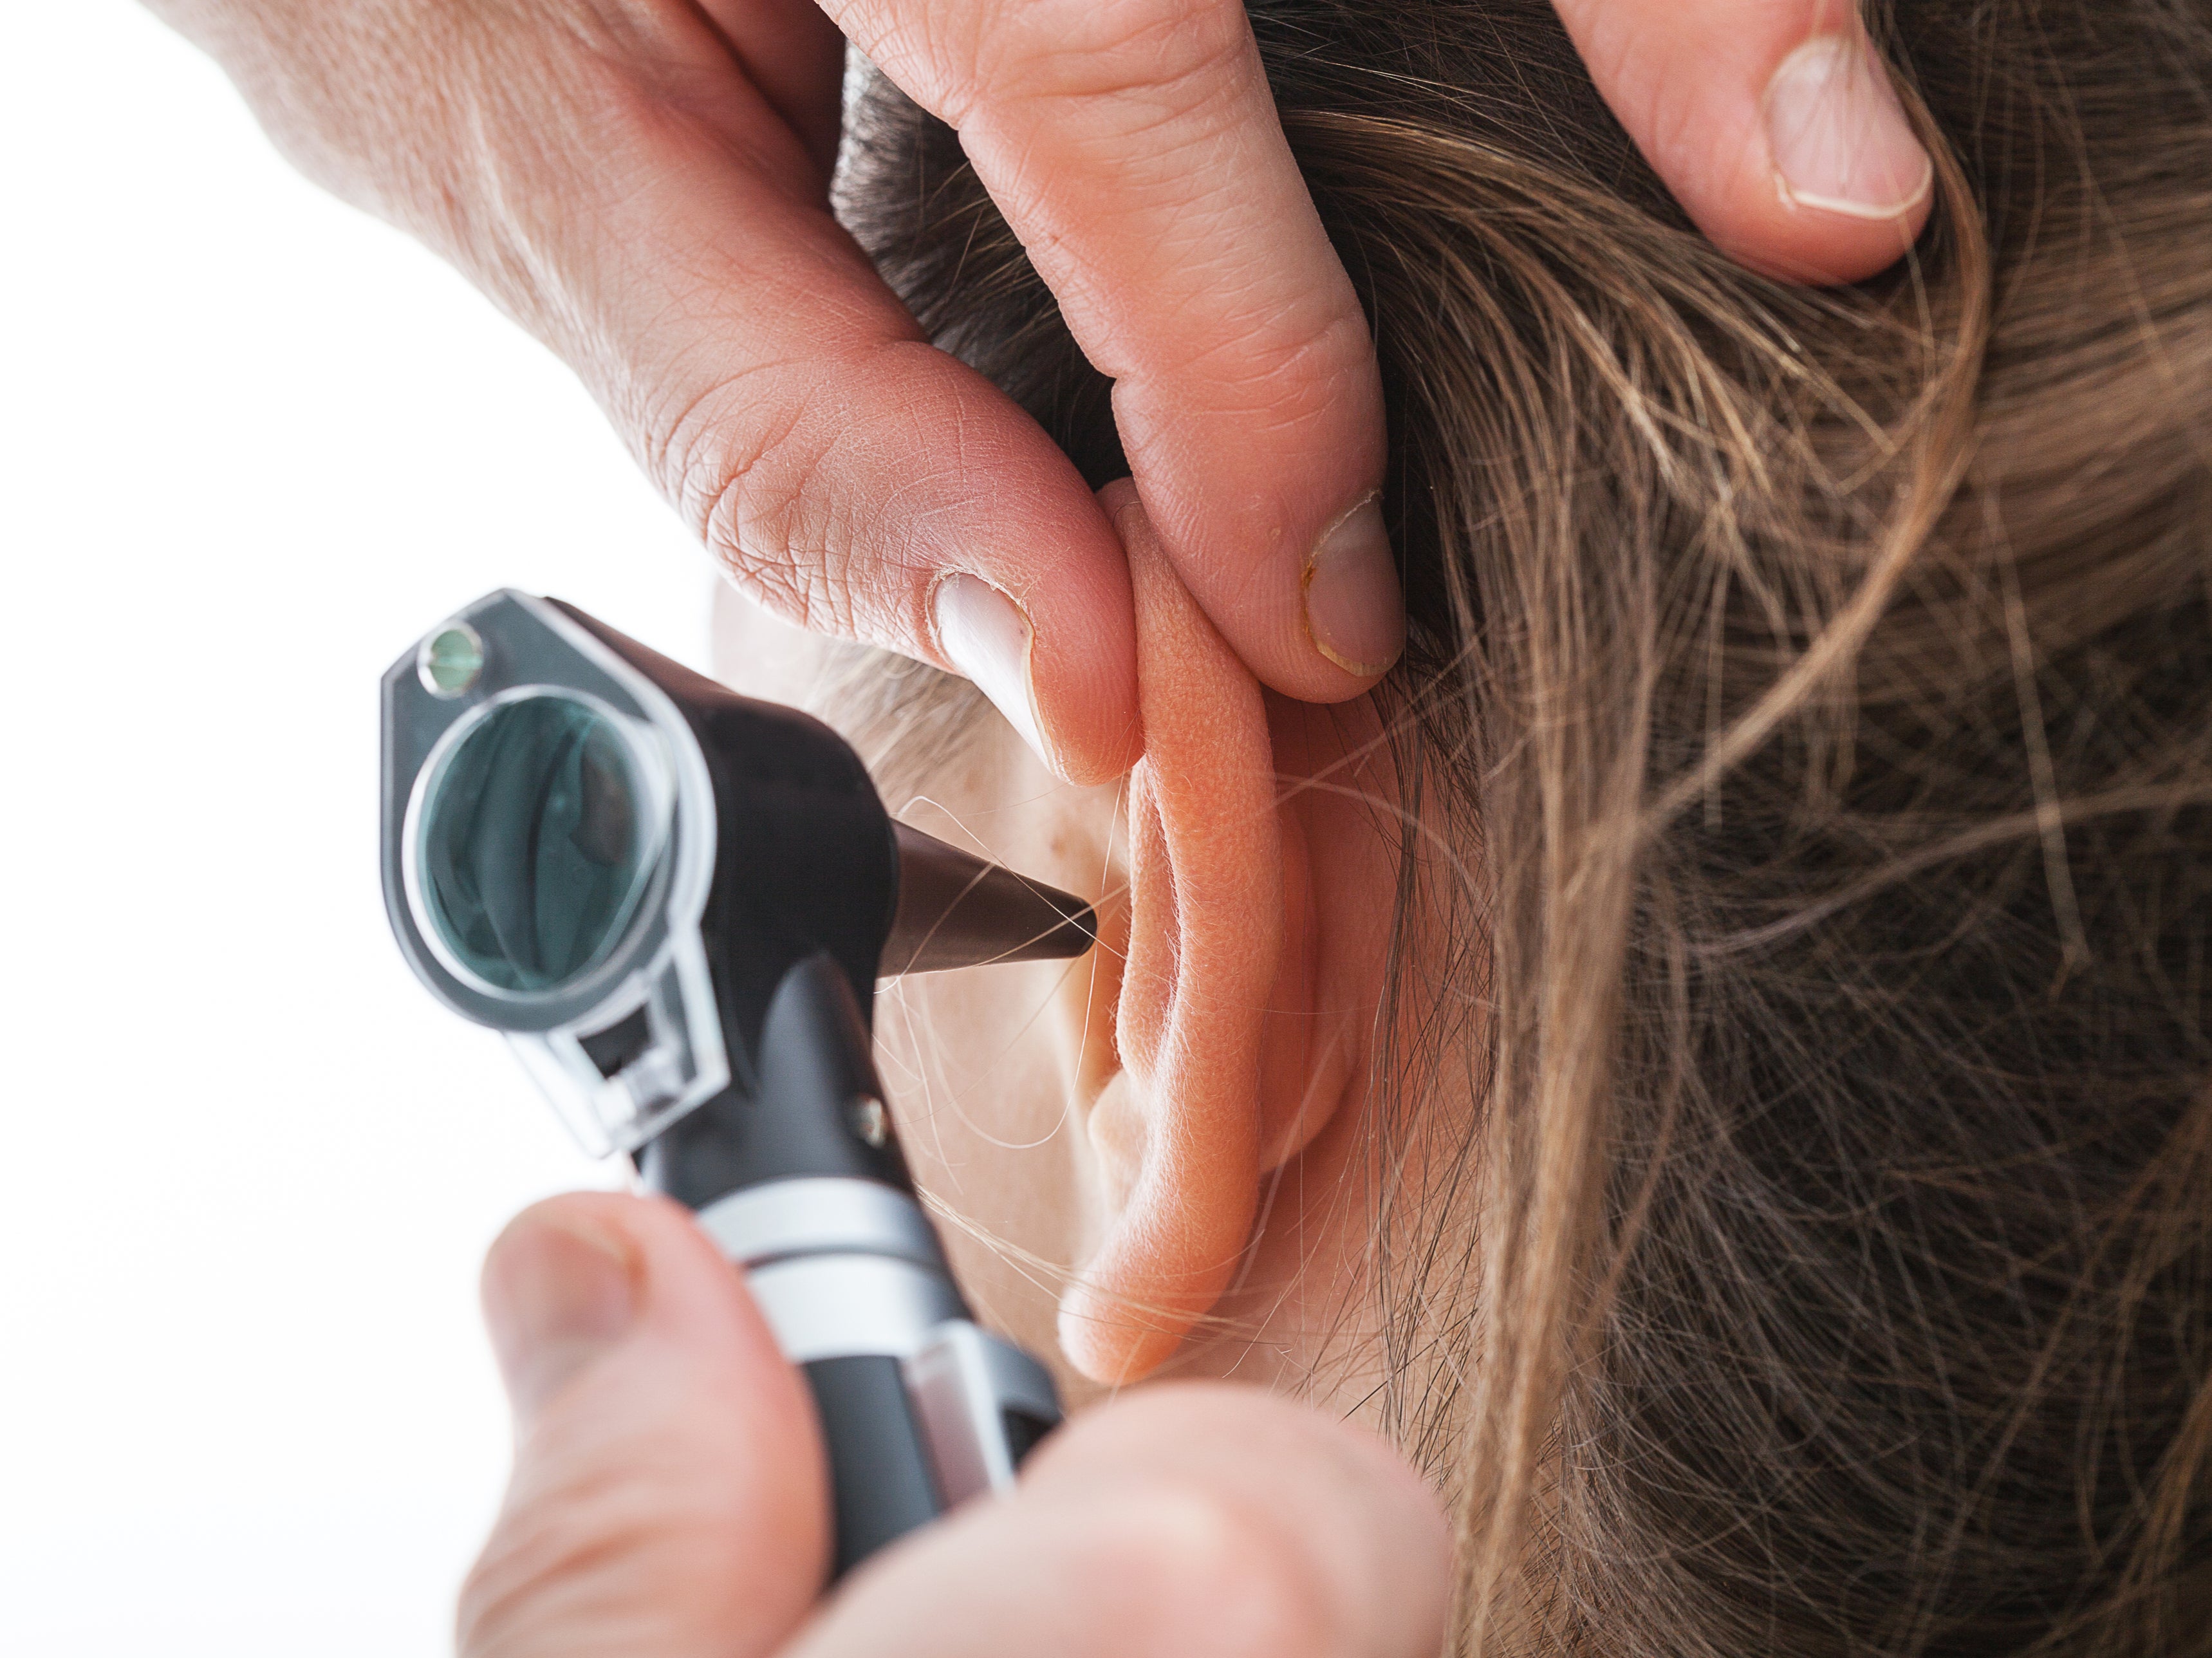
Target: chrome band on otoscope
{"type": "Point", "coordinates": [766, 1223]}
{"type": "Point", "coordinates": [845, 1267]}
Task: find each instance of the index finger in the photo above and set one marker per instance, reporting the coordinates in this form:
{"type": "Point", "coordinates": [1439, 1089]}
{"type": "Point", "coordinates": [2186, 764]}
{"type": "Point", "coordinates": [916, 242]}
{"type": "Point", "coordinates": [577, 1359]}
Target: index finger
{"type": "Point", "coordinates": [1135, 149]}
{"type": "Point", "coordinates": [1180, 1520]}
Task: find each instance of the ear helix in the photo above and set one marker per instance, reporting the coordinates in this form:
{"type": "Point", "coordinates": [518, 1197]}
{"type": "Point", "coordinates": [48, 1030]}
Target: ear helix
{"type": "Point", "coordinates": [1205, 929]}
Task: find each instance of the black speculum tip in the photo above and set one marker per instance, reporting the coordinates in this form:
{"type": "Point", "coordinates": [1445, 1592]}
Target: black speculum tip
{"type": "Point", "coordinates": [957, 910]}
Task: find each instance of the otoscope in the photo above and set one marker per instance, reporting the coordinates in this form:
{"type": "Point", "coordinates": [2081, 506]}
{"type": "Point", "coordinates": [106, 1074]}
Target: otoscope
{"type": "Point", "coordinates": [676, 902]}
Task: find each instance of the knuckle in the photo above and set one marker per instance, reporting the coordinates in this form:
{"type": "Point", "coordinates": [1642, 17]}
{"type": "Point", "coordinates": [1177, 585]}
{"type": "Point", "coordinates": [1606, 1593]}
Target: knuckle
{"type": "Point", "coordinates": [758, 489]}
{"type": "Point", "coordinates": [1228, 1583]}
{"type": "Point", "coordinates": [641, 32]}
{"type": "Point", "coordinates": [1666, 116]}
{"type": "Point", "coordinates": [1151, 64]}
{"type": "Point", "coordinates": [1279, 375]}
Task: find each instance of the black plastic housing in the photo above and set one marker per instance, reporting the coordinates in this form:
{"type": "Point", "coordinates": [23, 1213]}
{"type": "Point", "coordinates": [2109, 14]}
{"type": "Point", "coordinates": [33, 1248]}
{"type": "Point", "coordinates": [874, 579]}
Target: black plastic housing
{"type": "Point", "coordinates": [880, 1484]}
{"type": "Point", "coordinates": [817, 1071]}
{"type": "Point", "coordinates": [807, 860]}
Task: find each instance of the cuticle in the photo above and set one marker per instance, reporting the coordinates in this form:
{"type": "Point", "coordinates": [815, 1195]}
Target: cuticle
{"type": "Point", "coordinates": [1357, 670]}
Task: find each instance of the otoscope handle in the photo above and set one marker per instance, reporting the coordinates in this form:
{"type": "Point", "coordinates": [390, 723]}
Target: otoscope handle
{"type": "Point", "coordinates": [921, 1407]}
{"type": "Point", "coordinates": [803, 1187]}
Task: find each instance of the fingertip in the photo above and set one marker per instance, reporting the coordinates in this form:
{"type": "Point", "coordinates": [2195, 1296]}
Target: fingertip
{"type": "Point", "coordinates": [570, 1213]}
{"type": "Point", "coordinates": [616, 1270]}
{"type": "Point", "coordinates": [1314, 605]}
{"type": "Point", "coordinates": [1354, 606]}
{"type": "Point", "coordinates": [1351, 608]}
{"type": "Point", "coordinates": [639, 1230]}
{"type": "Point", "coordinates": [1852, 179]}
{"type": "Point", "coordinates": [1377, 1529]}
{"type": "Point", "coordinates": [1048, 637]}
{"type": "Point", "coordinates": [560, 1289]}
{"type": "Point", "coordinates": [1354, 1517]}
{"type": "Point", "coordinates": [1063, 683]}
{"type": "Point", "coordinates": [1776, 123]}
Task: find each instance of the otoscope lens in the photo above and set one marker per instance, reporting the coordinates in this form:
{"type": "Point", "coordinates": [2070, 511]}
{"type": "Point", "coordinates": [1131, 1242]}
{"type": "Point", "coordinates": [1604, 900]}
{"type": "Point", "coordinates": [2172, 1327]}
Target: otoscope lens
{"type": "Point", "coordinates": [536, 846]}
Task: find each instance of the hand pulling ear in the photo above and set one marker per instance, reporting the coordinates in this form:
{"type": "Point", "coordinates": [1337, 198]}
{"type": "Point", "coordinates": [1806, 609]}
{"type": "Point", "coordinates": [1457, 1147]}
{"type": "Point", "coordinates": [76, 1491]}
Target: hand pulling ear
{"type": "Point", "coordinates": [1244, 986]}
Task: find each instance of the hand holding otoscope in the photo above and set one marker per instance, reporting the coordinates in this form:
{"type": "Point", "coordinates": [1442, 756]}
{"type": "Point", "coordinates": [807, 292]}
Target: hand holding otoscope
{"type": "Point", "coordinates": [676, 901]}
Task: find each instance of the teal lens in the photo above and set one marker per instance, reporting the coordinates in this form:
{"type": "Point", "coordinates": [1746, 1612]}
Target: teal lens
{"type": "Point", "coordinates": [535, 846]}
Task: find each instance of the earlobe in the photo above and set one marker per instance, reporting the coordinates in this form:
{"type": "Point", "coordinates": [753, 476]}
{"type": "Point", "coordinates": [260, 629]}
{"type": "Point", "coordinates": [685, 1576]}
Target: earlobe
{"type": "Point", "coordinates": [1231, 1019]}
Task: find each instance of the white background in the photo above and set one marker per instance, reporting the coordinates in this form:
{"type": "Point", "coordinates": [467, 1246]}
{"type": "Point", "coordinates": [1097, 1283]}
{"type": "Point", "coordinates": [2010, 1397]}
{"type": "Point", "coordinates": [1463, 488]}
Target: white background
{"type": "Point", "coordinates": [251, 444]}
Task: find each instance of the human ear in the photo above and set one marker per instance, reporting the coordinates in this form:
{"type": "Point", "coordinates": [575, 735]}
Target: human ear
{"type": "Point", "coordinates": [1259, 893]}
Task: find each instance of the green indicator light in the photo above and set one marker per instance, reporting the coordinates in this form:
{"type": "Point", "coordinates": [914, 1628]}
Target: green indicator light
{"type": "Point", "coordinates": [450, 660]}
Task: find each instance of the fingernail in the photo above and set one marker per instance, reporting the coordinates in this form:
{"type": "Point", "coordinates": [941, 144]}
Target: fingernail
{"type": "Point", "coordinates": [986, 636]}
{"type": "Point", "coordinates": [556, 1298]}
{"type": "Point", "coordinates": [1355, 610]}
{"type": "Point", "coordinates": [1838, 136]}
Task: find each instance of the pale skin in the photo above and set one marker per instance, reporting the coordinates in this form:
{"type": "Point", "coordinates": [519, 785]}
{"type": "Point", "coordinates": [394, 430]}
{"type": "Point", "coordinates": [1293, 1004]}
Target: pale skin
{"type": "Point", "coordinates": [642, 184]}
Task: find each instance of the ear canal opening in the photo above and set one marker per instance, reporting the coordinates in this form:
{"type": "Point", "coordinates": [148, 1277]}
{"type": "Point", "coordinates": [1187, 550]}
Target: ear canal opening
{"type": "Point", "coordinates": [956, 909]}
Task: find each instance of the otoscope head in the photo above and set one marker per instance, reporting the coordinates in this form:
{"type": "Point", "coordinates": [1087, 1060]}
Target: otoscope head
{"type": "Point", "coordinates": [618, 862]}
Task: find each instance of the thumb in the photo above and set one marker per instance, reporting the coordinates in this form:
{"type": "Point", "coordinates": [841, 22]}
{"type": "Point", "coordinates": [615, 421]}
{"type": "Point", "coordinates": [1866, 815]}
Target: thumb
{"type": "Point", "coordinates": [1774, 122]}
{"type": "Point", "coordinates": [667, 1494]}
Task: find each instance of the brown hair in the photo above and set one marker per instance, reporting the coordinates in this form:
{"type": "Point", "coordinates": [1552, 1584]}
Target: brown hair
{"type": "Point", "coordinates": [1825, 680]}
